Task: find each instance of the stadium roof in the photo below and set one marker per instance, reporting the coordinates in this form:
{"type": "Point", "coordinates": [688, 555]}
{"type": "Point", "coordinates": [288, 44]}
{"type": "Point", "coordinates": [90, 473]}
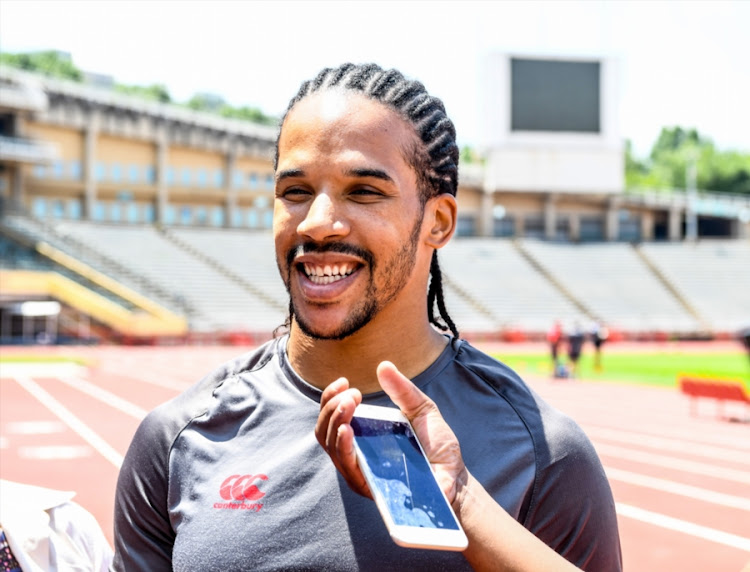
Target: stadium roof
{"type": "Point", "coordinates": [111, 99]}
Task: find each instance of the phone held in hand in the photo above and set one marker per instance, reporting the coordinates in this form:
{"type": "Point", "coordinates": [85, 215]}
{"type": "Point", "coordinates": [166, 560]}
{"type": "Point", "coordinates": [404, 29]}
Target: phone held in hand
{"type": "Point", "coordinates": [414, 508]}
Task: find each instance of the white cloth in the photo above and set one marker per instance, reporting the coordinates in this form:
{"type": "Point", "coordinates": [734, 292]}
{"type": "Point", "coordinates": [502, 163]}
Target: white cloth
{"type": "Point", "coordinates": [47, 532]}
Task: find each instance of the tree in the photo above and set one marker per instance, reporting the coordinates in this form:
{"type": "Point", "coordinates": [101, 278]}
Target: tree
{"type": "Point", "coordinates": [675, 149]}
{"type": "Point", "coordinates": [154, 92]}
{"type": "Point", "coordinates": [248, 114]}
{"type": "Point", "coordinates": [206, 102]}
{"type": "Point", "coordinates": [50, 62]}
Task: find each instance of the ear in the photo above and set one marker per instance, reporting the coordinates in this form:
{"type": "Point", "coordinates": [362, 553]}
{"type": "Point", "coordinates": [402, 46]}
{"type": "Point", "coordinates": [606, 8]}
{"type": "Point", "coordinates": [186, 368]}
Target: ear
{"type": "Point", "coordinates": [440, 214]}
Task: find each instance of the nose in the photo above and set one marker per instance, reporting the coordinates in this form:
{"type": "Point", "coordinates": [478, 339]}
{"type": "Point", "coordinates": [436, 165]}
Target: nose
{"type": "Point", "coordinates": [323, 220]}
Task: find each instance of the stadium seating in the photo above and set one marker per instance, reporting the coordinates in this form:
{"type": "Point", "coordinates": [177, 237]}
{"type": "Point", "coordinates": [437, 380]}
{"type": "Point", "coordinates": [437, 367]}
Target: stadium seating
{"type": "Point", "coordinates": [226, 280]}
{"type": "Point", "coordinates": [218, 302]}
{"type": "Point", "coordinates": [614, 284]}
{"type": "Point", "coordinates": [513, 294]}
{"type": "Point", "coordinates": [713, 275]}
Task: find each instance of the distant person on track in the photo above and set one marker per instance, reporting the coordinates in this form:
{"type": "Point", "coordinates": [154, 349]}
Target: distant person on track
{"type": "Point", "coordinates": [576, 340]}
{"type": "Point", "coordinates": [745, 339]}
{"type": "Point", "coordinates": [253, 467]}
{"type": "Point", "coordinates": [43, 529]}
{"type": "Point", "coordinates": [599, 335]}
{"type": "Point", "coordinates": [554, 339]}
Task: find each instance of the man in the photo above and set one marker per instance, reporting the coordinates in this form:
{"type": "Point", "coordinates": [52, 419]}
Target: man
{"type": "Point", "coordinates": [231, 474]}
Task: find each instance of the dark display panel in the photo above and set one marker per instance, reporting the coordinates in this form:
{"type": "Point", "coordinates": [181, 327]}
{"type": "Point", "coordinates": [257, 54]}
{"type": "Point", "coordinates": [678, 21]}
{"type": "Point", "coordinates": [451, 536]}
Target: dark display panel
{"type": "Point", "coordinates": [551, 95]}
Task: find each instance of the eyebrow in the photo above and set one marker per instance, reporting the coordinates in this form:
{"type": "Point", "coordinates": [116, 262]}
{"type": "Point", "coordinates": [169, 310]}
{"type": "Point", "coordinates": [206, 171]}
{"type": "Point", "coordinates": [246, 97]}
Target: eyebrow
{"type": "Point", "coordinates": [289, 173]}
{"type": "Point", "coordinates": [372, 173]}
{"type": "Point", "coordinates": [361, 172]}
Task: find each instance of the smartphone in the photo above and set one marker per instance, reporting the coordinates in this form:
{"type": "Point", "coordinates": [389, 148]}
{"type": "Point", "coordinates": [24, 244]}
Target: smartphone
{"type": "Point", "coordinates": [401, 479]}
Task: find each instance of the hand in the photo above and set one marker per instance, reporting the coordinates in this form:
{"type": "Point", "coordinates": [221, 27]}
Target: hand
{"type": "Point", "coordinates": [438, 440]}
{"type": "Point", "coordinates": [335, 434]}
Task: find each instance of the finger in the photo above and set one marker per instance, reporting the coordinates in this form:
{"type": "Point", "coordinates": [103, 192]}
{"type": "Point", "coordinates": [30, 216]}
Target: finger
{"type": "Point", "coordinates": [333, 389]}
{"type": "Point", "coordinates": [349, 467]}
{"type": "Point", "coordinates": [407, 396]}
{"type": "Point", "coordinates": [339, 439]}
{"type": "Point", "coordinates": [327, 408]}
{"type": "Point", "coordinates": [341, 410]}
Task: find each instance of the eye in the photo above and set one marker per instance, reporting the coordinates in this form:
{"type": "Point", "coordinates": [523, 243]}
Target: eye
{"type": "Point", "coordinates": [294, 194]}
{"type": "Point", "coordinates": [366, 194]}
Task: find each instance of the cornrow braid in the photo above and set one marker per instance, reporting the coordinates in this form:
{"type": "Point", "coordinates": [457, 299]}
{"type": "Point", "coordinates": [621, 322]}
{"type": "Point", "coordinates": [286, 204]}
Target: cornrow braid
{"type": "Point", "coordinates": [435, 161]}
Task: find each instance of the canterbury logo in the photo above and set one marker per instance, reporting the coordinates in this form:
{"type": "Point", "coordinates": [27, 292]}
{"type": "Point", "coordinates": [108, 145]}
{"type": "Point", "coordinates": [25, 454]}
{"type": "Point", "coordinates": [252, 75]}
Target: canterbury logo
{"type": "Point", "coordinates": [241, 488]}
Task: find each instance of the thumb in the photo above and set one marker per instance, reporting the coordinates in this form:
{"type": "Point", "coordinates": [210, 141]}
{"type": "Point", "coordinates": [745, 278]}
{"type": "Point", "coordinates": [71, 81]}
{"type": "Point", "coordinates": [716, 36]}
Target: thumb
{"type": "Point", "coordinates": [407, 396]}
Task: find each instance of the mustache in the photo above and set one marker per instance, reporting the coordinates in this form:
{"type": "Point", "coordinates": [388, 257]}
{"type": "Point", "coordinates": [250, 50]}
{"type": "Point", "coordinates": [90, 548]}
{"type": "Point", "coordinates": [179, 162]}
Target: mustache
{"type": "Point", "coordinates": [339, 247]}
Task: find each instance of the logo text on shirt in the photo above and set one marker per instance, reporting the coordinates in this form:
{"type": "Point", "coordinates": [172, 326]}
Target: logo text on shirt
{"type": "Point", "coordinates": [237, 489]}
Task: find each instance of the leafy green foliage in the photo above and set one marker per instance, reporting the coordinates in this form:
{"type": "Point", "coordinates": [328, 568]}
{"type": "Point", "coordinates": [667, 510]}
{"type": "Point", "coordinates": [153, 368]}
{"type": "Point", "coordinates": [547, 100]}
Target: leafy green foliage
{"type": "Point", "coordinates": [674, 150]}
{"type": "Point", "coordinates": [155, 92]}
{"type": "Point", "coordinates": [51, 63]}
{"type": "Point", "coordinates": [58, 64]}
{"type": "Point", "coordinates": [216, 104]}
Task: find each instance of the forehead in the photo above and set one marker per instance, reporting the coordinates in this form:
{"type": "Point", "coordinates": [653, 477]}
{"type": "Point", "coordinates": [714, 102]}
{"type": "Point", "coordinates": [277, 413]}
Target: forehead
{"type": "Point", "coordinates": [334, 121]}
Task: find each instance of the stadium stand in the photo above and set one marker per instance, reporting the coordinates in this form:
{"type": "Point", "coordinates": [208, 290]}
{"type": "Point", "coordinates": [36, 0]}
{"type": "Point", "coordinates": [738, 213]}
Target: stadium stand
{"type": "Point", "coordinates": [247, 254]}
{"type": "Point", "coordinates": [219, 301]}
{"type": "Point", "coordinates": [511, 292]}
{"type": "Point", "coordinates": [34, 231]}
{"type": "Point", "coordinates": [226, 280]}
{"type": "Point", "coordinates": [16, 256]}
{"type": "Point", "coordinates": [614, 284]}
{"type": "Point", "coordinates": [713, 275]}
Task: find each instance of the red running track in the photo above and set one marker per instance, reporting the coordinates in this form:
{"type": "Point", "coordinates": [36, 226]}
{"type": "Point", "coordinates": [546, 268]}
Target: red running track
{"type": "Point", "coordinates": [681, 482]}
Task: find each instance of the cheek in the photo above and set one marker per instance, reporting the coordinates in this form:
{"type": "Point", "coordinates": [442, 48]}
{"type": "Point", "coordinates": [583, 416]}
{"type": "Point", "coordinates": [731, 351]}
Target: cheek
{"type": "Point", "coordinates": [281, 234]}
{"type": "Point", "coordinates": [282, 223]}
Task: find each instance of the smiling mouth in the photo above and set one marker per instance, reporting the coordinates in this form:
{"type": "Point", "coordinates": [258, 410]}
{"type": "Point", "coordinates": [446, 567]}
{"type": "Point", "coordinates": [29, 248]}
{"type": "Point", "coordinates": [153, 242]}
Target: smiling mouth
{"type": "Point", "coordinates": [328, 273]}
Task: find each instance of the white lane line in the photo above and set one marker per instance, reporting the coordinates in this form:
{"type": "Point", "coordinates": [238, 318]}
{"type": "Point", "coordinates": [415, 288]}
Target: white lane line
{"type": "Point", "coordinates": [11, 370]}
{"type": "Point", "coordinates": [684, 526]}
{"type": "Point", "coordinates": [668, 444]}
{"type": "Point", "coordinates": [684, 465]}
{"type": "Point", "coordinates": [34, 427]}
{"type": "Point", "coordinates": [153, 379]}
{"type": "Point", "coordinates": [114, 401]}
{"type": "Point", "coordinates": [55, 452]}
{"type": "Point", "coordinates": [696, 493]}
{"type": "Point", "coordinates": [83, 430]}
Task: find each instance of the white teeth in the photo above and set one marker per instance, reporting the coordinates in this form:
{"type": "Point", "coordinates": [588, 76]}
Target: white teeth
{"type": "Point", "coordinates": [327, 274]}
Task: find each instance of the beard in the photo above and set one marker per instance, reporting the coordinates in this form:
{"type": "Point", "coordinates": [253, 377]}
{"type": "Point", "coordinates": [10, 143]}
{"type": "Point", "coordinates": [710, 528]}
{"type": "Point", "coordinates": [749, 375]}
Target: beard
{"type": "Point", "coordinates": [395, 273]}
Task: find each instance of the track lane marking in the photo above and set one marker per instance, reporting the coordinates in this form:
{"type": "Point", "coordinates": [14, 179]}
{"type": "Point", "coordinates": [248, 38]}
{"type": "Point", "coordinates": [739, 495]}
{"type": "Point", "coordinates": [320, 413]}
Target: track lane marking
{"type": "Point", "coordinates": [673, 487]}
{"type": "Point", "coordinates": [107, 397]}
{"type": "Point", "coordinates": [55, 452]}
{"type": "Point", "coordinates": [156, 379]}
{"type": "Point", "coordinates": [683, 526]}
{"type": "Point", "coordinates": [65, 415]}
{"type": "Point", "coordinates": [667, 444]}
{"type": "Point", "coordinates": [665, 461]}
{"type": "Point", "coordinates": [34, 427]}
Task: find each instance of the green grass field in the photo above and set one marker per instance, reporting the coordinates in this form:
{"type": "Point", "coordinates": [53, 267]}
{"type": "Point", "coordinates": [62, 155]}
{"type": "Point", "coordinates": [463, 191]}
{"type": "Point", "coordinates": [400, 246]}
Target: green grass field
{"type": "Point", "coordinates": [42, 359]}
{"type": "Point", "coordinates": [660, 369]}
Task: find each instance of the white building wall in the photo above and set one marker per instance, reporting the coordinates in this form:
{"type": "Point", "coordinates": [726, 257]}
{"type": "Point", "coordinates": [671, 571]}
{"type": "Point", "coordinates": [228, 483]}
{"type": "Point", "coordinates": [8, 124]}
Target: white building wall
{"type": "Point", "coordinates": [553, 161]}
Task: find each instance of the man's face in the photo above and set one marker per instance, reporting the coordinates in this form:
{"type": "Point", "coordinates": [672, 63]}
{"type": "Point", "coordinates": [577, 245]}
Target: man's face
{"type": "Point", "coordinates": [347, 214]}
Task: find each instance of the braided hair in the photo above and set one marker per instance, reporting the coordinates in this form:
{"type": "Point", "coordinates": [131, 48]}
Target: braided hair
{"type": "Point", "coordinates": [435, 162]}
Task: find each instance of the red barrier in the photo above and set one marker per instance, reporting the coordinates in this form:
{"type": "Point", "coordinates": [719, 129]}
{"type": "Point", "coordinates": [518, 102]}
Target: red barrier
{"type": "Point", "coordinates": [720, 390]}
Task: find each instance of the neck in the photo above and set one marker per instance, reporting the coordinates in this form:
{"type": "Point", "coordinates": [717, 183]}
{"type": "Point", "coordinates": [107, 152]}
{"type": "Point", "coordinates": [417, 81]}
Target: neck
{"type": "Point", "coordinates": [320, 362]}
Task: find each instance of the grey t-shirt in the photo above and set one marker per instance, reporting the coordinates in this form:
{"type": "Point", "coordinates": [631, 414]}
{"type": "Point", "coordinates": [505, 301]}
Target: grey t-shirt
{"type": "Point", "coordinates": [229, 476]}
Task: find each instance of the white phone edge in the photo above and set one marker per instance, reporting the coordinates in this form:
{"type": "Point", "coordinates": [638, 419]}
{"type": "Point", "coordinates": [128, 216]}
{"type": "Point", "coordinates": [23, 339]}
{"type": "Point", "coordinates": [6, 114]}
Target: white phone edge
{"type": "Point", "coordinates": [408, 536]}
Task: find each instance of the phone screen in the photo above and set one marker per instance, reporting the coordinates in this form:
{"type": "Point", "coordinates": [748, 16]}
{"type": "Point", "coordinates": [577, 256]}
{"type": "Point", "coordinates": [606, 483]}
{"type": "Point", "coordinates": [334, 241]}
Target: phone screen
{"type": "Point", "coordinates": [402, 474]}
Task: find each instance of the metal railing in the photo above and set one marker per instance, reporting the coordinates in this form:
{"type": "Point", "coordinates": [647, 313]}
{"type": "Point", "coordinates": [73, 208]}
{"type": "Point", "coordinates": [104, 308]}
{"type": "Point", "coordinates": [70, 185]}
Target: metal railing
{"type": "Point", "coordinates": [22, 97]}
{"type": "Point", "coordinates": [21, 150]}
{"type": "Point", "coordinates": [700, 201]}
